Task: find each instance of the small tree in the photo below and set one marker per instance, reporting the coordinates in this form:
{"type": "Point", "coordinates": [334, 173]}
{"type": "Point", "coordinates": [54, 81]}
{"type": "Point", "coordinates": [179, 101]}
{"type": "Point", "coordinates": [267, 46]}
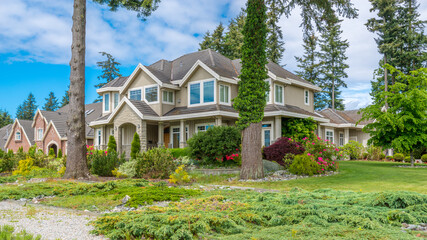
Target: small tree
{"type": "Point", "coordinates": [27, 109]}
{"type": "Point", "coordinates": [5, 118]}
{"type": "Point", "coordinates": [112, 145]}
{"type": "Point", "coordinates": [51, 103]}
{"type": "Point", "coordinates": [60, 153]}
{"type": "Point", "coordinates": [402, 126]}
{"type": "Point", "coordinates": [51, 152]}
{"type": "Point", "coordinates": [135, 146]}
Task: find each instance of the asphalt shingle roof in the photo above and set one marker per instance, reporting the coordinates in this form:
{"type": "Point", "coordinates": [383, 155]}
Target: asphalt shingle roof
{"type": "Point", "coordinates": [343, 117]}
{"type": "Point", "coordinates": [28, 128]}
{"type": "Point", "coordinates": [4, 134]}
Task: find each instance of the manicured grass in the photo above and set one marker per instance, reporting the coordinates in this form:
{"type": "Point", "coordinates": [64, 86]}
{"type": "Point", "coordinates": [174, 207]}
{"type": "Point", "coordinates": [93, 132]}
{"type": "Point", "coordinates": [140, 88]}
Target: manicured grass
{"type": "Point", "coordinates": [354, 176]}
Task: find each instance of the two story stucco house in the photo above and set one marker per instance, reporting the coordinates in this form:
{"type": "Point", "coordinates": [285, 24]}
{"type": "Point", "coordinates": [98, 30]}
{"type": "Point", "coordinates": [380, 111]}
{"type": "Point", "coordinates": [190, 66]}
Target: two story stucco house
{"type": "Point", "coordinates": [169, 101]}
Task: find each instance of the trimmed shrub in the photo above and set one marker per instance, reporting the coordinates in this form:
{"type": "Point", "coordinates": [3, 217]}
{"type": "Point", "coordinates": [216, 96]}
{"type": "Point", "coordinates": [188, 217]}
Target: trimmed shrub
{"type": "Point", "coordinates": [298, 128]}
{"type": "Point", "coordinates": [180, 176]}
{"type": "Point", "coordinates": [424, 158]}
{"type": "Point", "coordinates": [408, 159]}
{"type": "Point", "coordinates": [51, 152]}
{"type": "Point", "coordinates": [155, 163]}
{"type": "Point", "coordinates": [365, 155]}
{"type": "Point", "coordinates": [303, 165]}
{"type": "Point", "coordinates": [399, 157]}
{"type": "Point", "coordinates": [180, 152]}
{"type": "Point", "coordinates": [389, 158]}
{"type": "Point", "coordinates": [382, 156]}
{"type": "Point", "coordinates": [128, 168]}
{"type": "Point", "coordinates": [60, 153]}
{"type": "Point", "coordinates": [353, 149]}
{"type": "Point", "coordinates": [215, 144]}
{"type": "Point", "coordinates": [103, 163]}
{"type": "Point", "coordinates": [112, 145]}
{"type": "Point", "coordinates": [24, 167]}
{"type": "Point", "coordinates": [283, 146]}
{"type": "Point", "coordinates": [135, 146]}
{"type": "Point", "coordinates": [375, 153]}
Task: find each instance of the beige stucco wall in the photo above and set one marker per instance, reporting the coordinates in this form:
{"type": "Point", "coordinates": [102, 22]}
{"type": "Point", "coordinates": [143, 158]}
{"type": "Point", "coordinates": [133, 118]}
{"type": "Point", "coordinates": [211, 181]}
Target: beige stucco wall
{"type": "Point", "coordinates": [182, 95]}
{"type": "Point", "coordinates": [295, 96]}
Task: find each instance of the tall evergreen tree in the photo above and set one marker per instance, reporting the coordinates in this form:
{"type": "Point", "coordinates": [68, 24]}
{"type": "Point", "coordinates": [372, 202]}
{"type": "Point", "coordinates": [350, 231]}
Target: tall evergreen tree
{"type": "Point", "coordinates": [51, 103]}
{"type": "Point", "coordinates": [250, 101]}
{"type": "Point", "coordinates": [233, 40]}
{"type": "Point", "coordinates": [214, 41]}
{"type": "Point", "coordinates": [27, 109]}
{"type": "Point", "coordinates": [65, 99]}
{"type": "Point", "coordinates": [333, 66]}
{"type": "Point", "coordinates": [5, 118]}
{"type": "Point", "coordinates": [275, 41]}
{"type": "Point", "coordinates": [110, 71]}
{"type": "Point", "coordinates": [76, 145]}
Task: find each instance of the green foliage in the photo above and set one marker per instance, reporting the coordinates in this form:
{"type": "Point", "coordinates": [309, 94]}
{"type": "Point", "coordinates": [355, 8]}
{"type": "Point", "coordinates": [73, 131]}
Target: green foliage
{"type": "Point", "coordinates": [399, 157]}
{"type": "Point", "coordinates": [250, 100]}
{"type": "Point", "coordinates": [303, 165]}
{"type": "Point", "coordinates": [103, 163]}
{"type": "Point", "coordinates": [51, 103]}
{"type": "Point", "coordinates": [60, 153]}
{"type": "Point", "coordinates": [382, 156]}
{"type": "Point", "coordinates": [155, 163]}
{"type": "Point", "coordinates": [144, 8]}
{"type": "Point", "coordinates": [180, 176]}
{"type": "Point", "coordinates": [135, 146]}
{"type": "Point", "coordinates": [375, 153]}
{"type": "Point", "coordinates": [109, 69]}
{"type": "Point", "coordinates": [8, 162]}
{"type": "Point", "coordinates": [298, 128]}
{"type": "Point", "coordinates": [128, 168]}
{"type": "Point", "coordinates": [353, 149]}
{"type": "Point", "coordinates": [66, 98]}
{"type": "Point", "coordinates": [51, 152]}
{"type": "Point", "coordinates": [180, 152]}
{"type": "Point", "coordinates": [215, 144]}
{"type": "Point", "coordinates": [424, 158]}
{"type": "Point", "coordinates": [403, 125]}
{"type": "Point", "coordinates": [8, 233]}
{"type": "Point", "coordinates": [27, 109]}
{"type": "Point", "coordinates": [274, 49]}
{"type": "Point", "coordinates": [112, 145]}
{"type": "Point", "coordinates": [24, 167]}
{"type": "Point", "coordinates": [5, 118]}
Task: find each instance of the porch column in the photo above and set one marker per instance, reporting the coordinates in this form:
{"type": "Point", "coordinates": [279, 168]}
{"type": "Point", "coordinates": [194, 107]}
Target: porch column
{"type": "Point", "coordinates": [191, 129]}
{"type": "Point", "coordinates": [218, 121]}
{"type": "Point", "coordinates": [318, 130]}
{"type": "Point", "coordinates": [118, 137]}
{"type": "Point", "coordinates": [142, 132]}
{"type": "Point", "coordinates": [182, 141]}
{"type": "Point", "coordinates": [277, 127]}
{"type": "Point", "coordinates": [346, 135]}
{"type": "Point", "coordinates": [104, 138]}
{"type": "Point", "coordinates": [160, 135]}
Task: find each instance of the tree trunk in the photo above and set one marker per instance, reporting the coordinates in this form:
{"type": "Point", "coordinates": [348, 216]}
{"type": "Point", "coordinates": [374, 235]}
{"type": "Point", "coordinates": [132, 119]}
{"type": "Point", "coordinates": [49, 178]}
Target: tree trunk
{"type": "Point", "coordinates": [252, 167]}
{"type": "Point", "coordinates": [412, 159]}
{"type": "Point", "coordinates": [76, 144]}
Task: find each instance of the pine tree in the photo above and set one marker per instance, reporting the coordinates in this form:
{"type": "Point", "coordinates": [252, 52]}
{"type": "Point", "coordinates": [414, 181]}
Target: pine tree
{"type": "Point", "coordinates": [112, 145]}
{"type": "Point", "coordinates": [65, 99]}
{"type": "Point", "coordinates": [51, 103]}
{"type": "Point", "coordinates": [5, 118]}
{"type": "Point", "coordinates": [333, 66]}
{"type": "Point", "coordinates": [110, 71]}
{"type": "Point", "coordinates": [250, 101]}
{"type": "Point", "coordinates": [135, 146]}
{"type": "Point", "coordinates": [233, 39]}
{"type": "Point", "coordinates": [275, 41]}
{"type": "Point", "coordinates": [27, 109]}
{"type": "Point", "coordinates": [214, 41]}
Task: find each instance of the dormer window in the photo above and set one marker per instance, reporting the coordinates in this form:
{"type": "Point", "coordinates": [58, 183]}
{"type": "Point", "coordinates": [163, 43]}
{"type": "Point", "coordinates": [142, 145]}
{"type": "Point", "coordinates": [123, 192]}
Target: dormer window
{"type": "Point", "coordinates": [151, 94]}
{"type": "Point", "coordinates": [278, 94]}
{"type": "Point", "coordinates": [201, 92]}
{"type": "Point", "coordinates": [106, 102]}
{"type": "Point", "coordinates": [18, 136]}
{"type": "Point", "coordinates": [135, 94]}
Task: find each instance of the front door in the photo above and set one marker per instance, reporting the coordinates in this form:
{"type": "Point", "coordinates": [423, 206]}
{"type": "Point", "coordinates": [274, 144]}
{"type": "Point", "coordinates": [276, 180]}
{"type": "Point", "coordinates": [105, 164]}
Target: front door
{"type": "Point", "coordinates": [266, 135]}
{"type": "Point", "coordinates": [175, 137]}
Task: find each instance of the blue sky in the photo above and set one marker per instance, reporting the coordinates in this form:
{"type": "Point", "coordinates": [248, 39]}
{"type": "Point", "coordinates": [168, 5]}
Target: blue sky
{"type": "Point", "coordinates": [35, 37]}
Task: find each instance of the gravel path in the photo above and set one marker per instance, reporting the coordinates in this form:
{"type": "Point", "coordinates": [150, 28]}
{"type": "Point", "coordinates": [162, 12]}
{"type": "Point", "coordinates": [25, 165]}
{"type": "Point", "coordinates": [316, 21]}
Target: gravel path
{"type": "Point", "coordinates": [51, 223]}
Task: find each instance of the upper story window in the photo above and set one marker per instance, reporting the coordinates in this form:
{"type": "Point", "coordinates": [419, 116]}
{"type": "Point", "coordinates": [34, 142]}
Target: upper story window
{"type": "Point", "coordinates": [116, 100]}
{"type": "Point", "coordinates": [306, 97]}
{"type": "Point", "coordinates": [224, 94]}
{"type": "Point", "coordinates": [40, 134]}
{"type": "Point", "coordinates": [151, 94]}
{"type": "Point", "coordinates": [330, 135]}
{"type": "Point", "coordinates": [18, 136]}
{"type": "Point", "coordinates": [106, 102]}
{"type": "Point", "coordinates": [202, 92]}
{"type": "Point", "coordinates": [267, 93]}
{"type": "Point", "coordinates": [135, 94]}
{"type": "Point", "coordinates": [278, 94]}
{"type": "Point", "coordinates": [203, 127]}
{"type": "Point", "coordinates": [168, 97]}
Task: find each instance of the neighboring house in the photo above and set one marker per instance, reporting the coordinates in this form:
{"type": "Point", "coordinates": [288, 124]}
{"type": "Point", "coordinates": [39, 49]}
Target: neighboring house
{"type": "Point", "coordinates": [4, 135]}
{"type": "Point", "coordinates": [49, 129]}
{"type": "Point", "coordinates": [21, 135]}
{"type": "Point", "coordinates": [343, 127]}
{"type": "Point", "coordinates": [169, 101]}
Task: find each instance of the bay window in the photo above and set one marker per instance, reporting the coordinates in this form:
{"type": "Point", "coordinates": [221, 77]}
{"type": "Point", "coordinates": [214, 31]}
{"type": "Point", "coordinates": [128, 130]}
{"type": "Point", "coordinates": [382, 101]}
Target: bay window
{"type": "Point", "coordinates": [106, 102]}
{"type": "Point", "coordinates": [202, 92]}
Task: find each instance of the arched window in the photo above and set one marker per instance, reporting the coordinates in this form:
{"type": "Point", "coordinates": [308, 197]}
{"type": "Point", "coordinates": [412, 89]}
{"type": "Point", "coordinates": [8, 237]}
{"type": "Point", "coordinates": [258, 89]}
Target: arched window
{"type": "Point", "coordinates": [18, 136]}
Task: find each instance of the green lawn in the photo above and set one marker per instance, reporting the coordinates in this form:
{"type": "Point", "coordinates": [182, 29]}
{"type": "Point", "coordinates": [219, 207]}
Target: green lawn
{"type": "Point", "coordinates": [354, 175]}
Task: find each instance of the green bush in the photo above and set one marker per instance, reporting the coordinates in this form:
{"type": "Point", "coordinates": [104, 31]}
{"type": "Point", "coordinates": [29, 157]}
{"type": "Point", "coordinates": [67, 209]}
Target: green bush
{"type": "Point", "coordinates": [51, 153]}
{"type": "Point", "coordinates": [8, 233]}
{"type": "Point", "coordinates": [155, 163]}
{"type": "Point", "coordinates": [180, 152]}
{"type": "Point", "coordinates": [112, 145]}
{"type": "Point", "coordinates": [60, 153]}
{"type": "Point", "coordinates": [424, 158]}
{"type": "Point", "coordinates": [32, 151]}
{"type": "Point", "coordinates": [408, 159]}
{"type": "Point", "coordinates": [374, 153]}
{"type": "Point", "coordinates": [135, 146]}
{"type": "Point", "coordinates": [215, 145]}
{"type": "Point", "coordinates": [129, 168]}
{"type": "Point", "coordinates": [353, 149]}
{"type": "Point", "coordinates": [382, 156]}
{"type": "Point", "coordinates": [365, 155]}
{"type": "Point", "coordinates": [298, 128]}
{"type": "Point", "coordinates": [389, 158]}
{"type": "Point", "coordinates": [303, 165]}
{"type": "Point", "coordinates": [399, 157]}
{"type": "Point", "coordinates": [8, 162]}
{"type": "Point", "coordinates": [103, 163]}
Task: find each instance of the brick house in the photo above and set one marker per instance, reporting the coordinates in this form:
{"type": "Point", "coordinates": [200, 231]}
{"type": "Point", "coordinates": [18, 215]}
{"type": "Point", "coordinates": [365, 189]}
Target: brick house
{"type": "Point", "coordinates": [21, 135]}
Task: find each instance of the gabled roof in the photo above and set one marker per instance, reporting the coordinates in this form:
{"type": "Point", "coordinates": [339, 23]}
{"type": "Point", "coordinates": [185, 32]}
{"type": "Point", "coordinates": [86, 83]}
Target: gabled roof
{"type": "Point", "coordinates": [118, 82]}
{"type": "Point", "coordinates": [4, 135]}
{"type": "Point", "coordinates": [343, 117]}
{"type": "Point", "coordinates": [26, 126]}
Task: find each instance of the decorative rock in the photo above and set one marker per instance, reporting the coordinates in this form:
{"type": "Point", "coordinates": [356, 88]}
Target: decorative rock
{"type": "Point", "coordinates": [125, 199]}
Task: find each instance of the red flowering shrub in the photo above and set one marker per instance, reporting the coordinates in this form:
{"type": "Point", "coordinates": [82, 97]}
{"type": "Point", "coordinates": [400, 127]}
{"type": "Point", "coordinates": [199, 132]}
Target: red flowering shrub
{"type": "Point", "coordinates": [278, 150]}
{"type": "Point", "coordinates": [324, 153]}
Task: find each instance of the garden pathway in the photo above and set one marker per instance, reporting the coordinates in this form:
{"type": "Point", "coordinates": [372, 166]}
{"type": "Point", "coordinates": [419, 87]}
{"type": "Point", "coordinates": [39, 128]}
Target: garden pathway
{"type": "Point", "coordinates": [50, 222]}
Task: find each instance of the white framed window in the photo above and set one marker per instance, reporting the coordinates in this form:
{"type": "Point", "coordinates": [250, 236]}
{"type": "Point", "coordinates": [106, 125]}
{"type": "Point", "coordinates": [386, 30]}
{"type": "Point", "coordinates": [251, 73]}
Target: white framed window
{"type": "Point", "coordinates": [116, 99]}
{"type": "Point", "coordinates": [168, 97]}
{"type": "Point", "coordinates": [341, 139]}
{"type": "Point", "coordinates": [329, 135]}
{"type": "Point", "coordinates": [266, 134]}
{"type": "Point", "coordinates": [151, 94]}
{"type": "Point", "coordinates": [18, 136]}
{"type": "Point", "coordinates": [40, 134]}
{"type": "Point", "coordinates": [135, 94]}
{"type": "Point", "coordinates": [267, 93]}
{"type": "Point", "coordinates": [306, 97]}
{"type": "Point", "coordinates": [203, 127]}
{"type": "Point", "coordinates": [106, 102]}
{"type": "Point", "coordinates": [201, 92]}
{"type": "Point", "coordinates": [99, 137]}
{"type": "Point", "coordinates": [279, 94]}
{"type": "Point", "coordinates": [224, 94]}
